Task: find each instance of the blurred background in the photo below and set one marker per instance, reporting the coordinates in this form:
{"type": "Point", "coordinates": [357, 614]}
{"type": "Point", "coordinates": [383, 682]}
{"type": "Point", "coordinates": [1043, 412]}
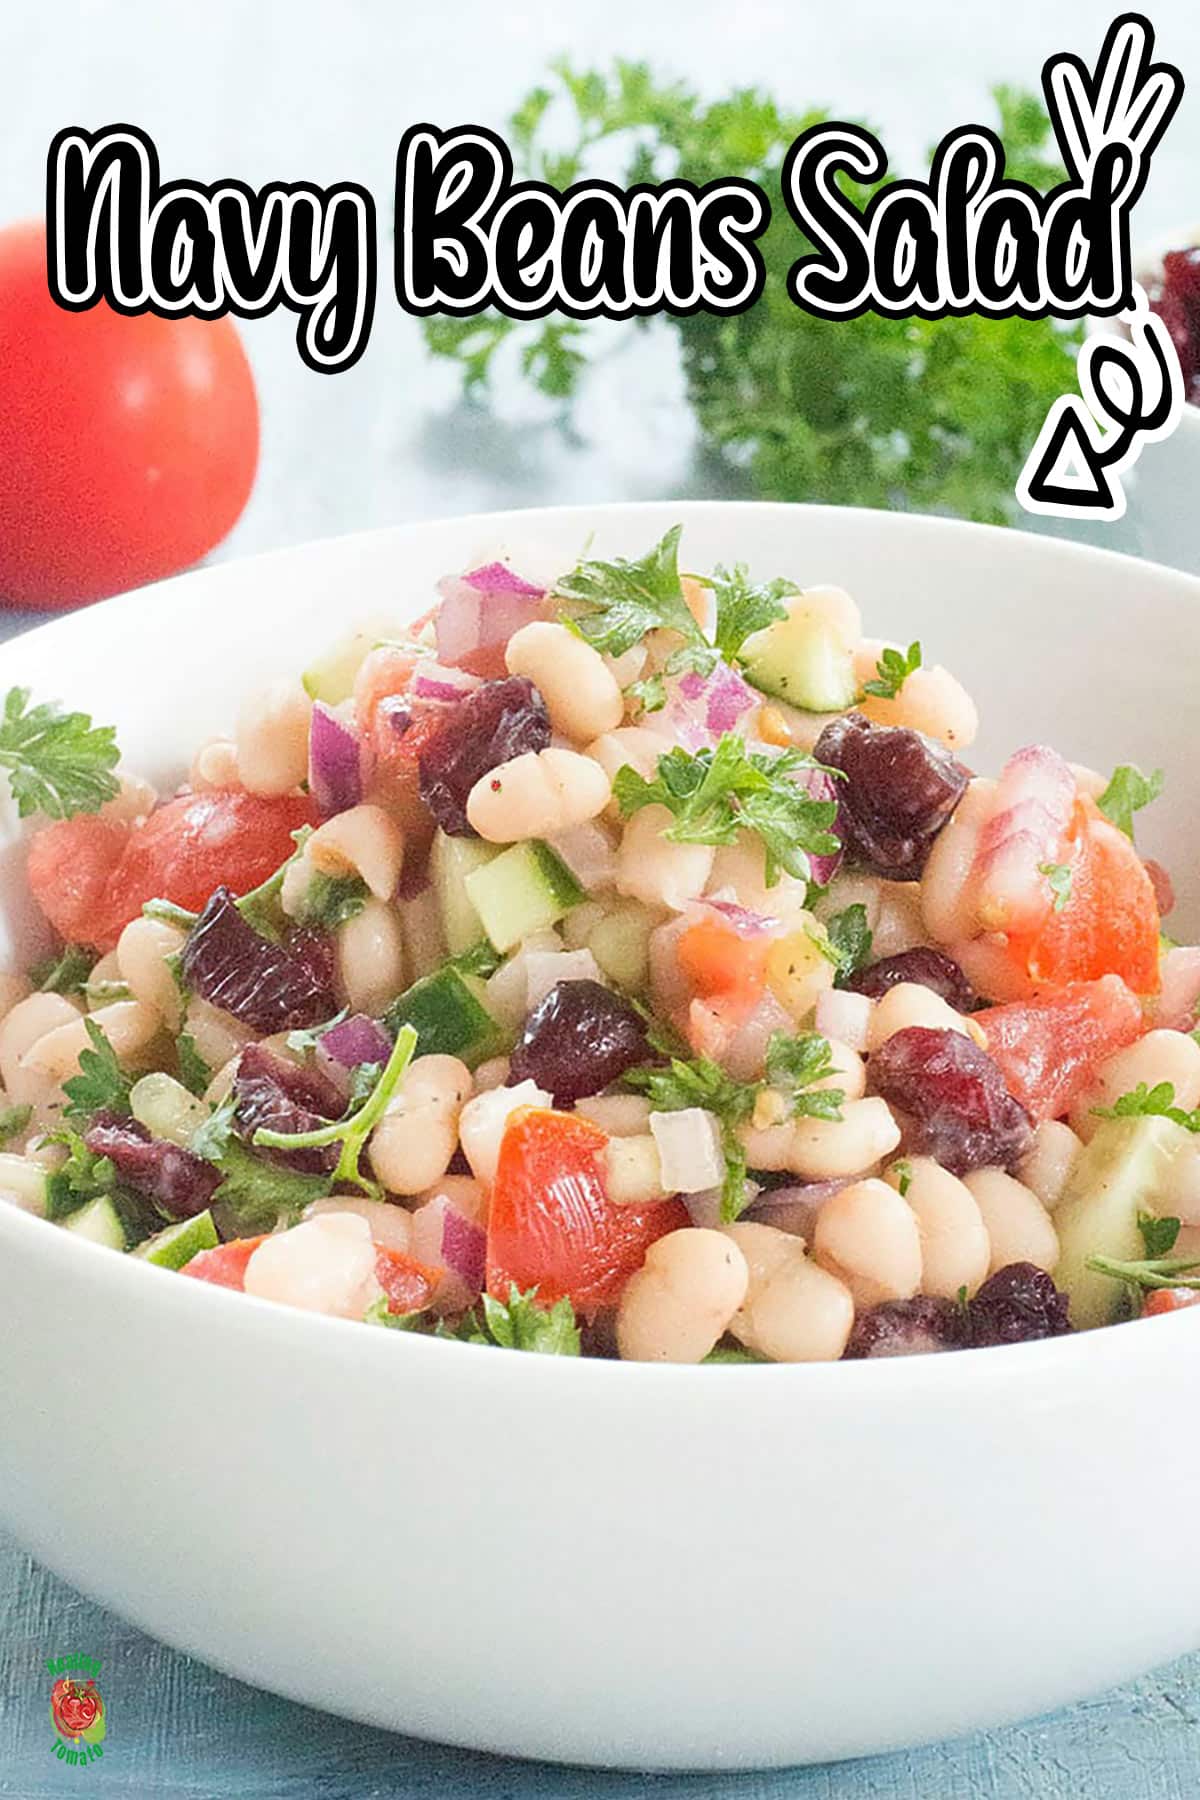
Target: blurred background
{"type": "Point", "coordinates": [280, 89]}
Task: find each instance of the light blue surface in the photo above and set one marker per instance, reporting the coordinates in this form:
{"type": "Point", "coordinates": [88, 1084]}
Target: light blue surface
{"type": "Point", "coordinates": [282, 89]}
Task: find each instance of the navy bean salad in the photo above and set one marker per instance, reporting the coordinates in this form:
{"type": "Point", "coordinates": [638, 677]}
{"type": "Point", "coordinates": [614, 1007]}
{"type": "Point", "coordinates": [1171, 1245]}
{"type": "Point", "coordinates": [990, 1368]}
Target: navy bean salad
{"type": "Point", "coordinates": [624, 963]}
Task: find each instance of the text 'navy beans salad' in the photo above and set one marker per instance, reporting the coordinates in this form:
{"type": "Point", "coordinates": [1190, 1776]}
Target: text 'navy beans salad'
{"type": "Point", "coordinates": [629, 964]}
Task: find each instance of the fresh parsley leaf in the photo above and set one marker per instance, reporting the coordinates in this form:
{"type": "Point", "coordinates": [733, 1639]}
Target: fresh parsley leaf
{"type": "Point", "coordinates": [1144, 1102]}
{"type": "Point", "coordinates": [194, 1072]}
{"type": "Point", "coordinates": [82, 1177]}
{"type": "Point", "coordinates": [1059, 877]}
{"type": "Point", "coordinates": [13, 1121]}
{"type": "Point", "coordinates": [521, 1324]}
{"type": "Point", "coordinates": [732, 1354]}
{"type": "Point", "coordinates": [169, 913]}
{"type": "Point", "coordinates": [58, 763]}
{"type": "Point", "coordinates": [794, 1064]}
{"type": "Point", "coordinates": [614, 604]}
{"type": "Point", "coordinates": [255, 1192]}
{"type": "Point", "coordinates": [1158, 1235]}
{"type": "Point", "coordinates": [849, 936]}
{"type": "Point", "coordinates": [716, 793]}
{"type": "Point", "coordinates": [902, 1170]}
{"type": "Point", "coordinates": [650, 695]}
{"type": "Point", "coordinates": [330, 900]}
{"type": "Point", "coordinates": [352, 1131]}
{"type": "Point", "coordinates": [744, 607]}
{"type": "Point", "coordinates": [101, 1083]}
{"type": "Point", "coordinates": [1127, 792]}
{"type": "Point", "coordinates": [107, 993]}
{"type": "Point", "coordinates": [65, 973]}
{"type": "Point", "coordinates": [892, 671]}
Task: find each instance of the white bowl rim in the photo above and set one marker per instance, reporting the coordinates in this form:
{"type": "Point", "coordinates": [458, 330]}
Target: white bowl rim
{"type": "Point", "coordinates": [1041, 1359]}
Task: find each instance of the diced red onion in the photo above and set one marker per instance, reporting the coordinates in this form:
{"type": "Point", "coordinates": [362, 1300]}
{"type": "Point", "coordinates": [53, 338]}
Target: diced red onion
{"type": "Point", "coordinates": [702, 708]}
{"type": "Point", "coordinates": [747, 924]}
{"type": "Point", "coordinates": [820, 786]}
{"type": "Point", "coordinates": [588, 852]}
{"type": "Point", "coordinates": [349, 1044]}
{"type": "Point", "coordinates": [794, 1209]}
{"type": "Point", "coordinates": [434, 681]}
{"type": "Point", "coordinates": [482, 609]}
{"type": "Point", "coordinates": [844, 1016]}
{"type": "Point", "coordinates": [335, 775]}
{"type": "Point", "coordinates": [1030, 815]}
{"type": "Point", "coordinates": [444, 1238]}
{"type": "Point", "coordinates": [1176, 1006]}
{"type": "Point", "coordinates": [497, 578]}
{"type": "Point", "coordinates": [1164, 887]}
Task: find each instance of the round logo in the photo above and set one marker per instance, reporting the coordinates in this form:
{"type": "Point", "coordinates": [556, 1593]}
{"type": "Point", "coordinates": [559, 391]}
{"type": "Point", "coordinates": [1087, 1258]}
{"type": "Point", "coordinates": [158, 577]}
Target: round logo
{"type": "Point", "coordinates": [77, 1710]}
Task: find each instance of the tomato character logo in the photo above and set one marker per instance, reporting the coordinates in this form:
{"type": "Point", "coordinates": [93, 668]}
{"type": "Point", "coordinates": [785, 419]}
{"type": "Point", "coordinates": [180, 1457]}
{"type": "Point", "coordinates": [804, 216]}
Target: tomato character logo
{"type": "Point", "coordinates": [77, 1710]}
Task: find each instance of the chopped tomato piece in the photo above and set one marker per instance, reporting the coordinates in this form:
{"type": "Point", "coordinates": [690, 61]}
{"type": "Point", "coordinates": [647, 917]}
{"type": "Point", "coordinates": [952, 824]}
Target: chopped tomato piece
{"type": "Point", "coordinates": [90, 877]}
{"type": "Point", "coordinates": [551, 1225]}
{"type": "Point", "coordinates": [70, 866]}
{"type": "Point", "coordinates": [1110, 923]}
{"type": "Point", "coordinates": [1166, 1300]}
{"type": "Point", "coordinates": [408, 1284]}
{"type": "Point", "coordinates": [396, 779]}
{"type": "Point", "coordinates": [226, 1265]}
{"type": "Point", "coordinates": [1047, 1047]}
{"type": "Point", "coordinates": [716, 959]}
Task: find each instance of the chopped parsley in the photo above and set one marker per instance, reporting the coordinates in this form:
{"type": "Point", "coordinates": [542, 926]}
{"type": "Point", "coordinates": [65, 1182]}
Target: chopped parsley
{"type": "Point", "coordinates": [516, 1324]}
{"type": "Point", "coordinates": [904, 1173]}
{"type": "Point", "coordinates": [194, 1072]}
{"type": "Point", "coordinates": [352, 1131]}
{"type": "Point", "coordinates": [256, 1193]}
{"type": "Point", "coordinates": [744, 607]}
{"type": "Point", "coordinates": [101, 1084]}
{"type": "Point", "coordinates": [13, 1121]}
{"type": "Point", "coordinates": [849, 937]}
{"type": "Point", "coordinates": [716, 793]}
{"type": "Point", "coordinates": [64, 973]}
{"type": "Point", "coordinates": [58, 763]}
{"type": "Point", "coordinates": [650, 695]}
{"type": "Point", "coordinates": [892, 671]}
{"type": "Point", "coordinates": [614, 604]}
{"type": "Point", "coordinates": [1127, 792]}
{"type": "Point", "coordinates": [1158, 1235]}
{"type": "Point", "coordinates": [793, 1065]}
{"type": "Point", "coordinates": [732, 1353]}
{"type": "Point", "coordinates": [330, 900]}
{"type": "Point", "coordinates": [82, 1177]}
{"type": "Point", "coordinates": [1144, 1102]}
{"type": "Point", "coordinates": [1155, 1272]}
{"type": "Point", "coordinates": [1059, 877]}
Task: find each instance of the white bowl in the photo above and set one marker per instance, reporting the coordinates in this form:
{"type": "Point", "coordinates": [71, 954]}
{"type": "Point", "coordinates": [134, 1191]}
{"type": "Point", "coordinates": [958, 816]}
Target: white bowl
{"type": "Point", "coordinates": [610, 1563]}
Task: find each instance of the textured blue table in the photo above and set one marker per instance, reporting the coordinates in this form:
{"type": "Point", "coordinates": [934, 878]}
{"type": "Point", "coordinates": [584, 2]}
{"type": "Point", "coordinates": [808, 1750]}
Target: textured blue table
{"type": "Point", "coordinates": [273, 90]}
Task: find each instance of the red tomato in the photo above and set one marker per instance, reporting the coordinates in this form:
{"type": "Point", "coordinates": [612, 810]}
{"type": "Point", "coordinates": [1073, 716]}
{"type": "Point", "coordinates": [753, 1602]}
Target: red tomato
{"type": "Point", "coordinates": [408, 1284]}
{"type": "Point", "coordinates": [1110, 924]}
{"type": "Point", "coordinates": [714, 959]}
{"type": "Point", "coordinates": [128, 445]}
{"type": "Point", "coordinates": [396, 782]}
{"type": "Point", "coordinates": [1166, 1300]}
{"type": "Point", "coordinates": [1047, 1047]}
{"type": "Point", "coordinates": [551, 1226]}
{"type": "Point", "coordinates": [226, 1265]}
{"type": "Point", "coordinates": [90, 878]}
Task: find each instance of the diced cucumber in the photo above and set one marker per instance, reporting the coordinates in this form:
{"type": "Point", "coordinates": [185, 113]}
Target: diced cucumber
{"type": "Point", "coordinates": [98, 1221]}
{"type": "Point", "coordinates": [330, 677]}
{"type": "Point", "coordinates": [451, 860]}
{"type": "Point", "coordinates": [803, 660]}
{"type": "Point", "coordinates": [1120, 1174]}
{"type": "Point", "coordinates": [177, 1245]}
{"type": "Point", "coordinates": [524, 889]}
{"type": "Point", "coordinates": [448, 1015]}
